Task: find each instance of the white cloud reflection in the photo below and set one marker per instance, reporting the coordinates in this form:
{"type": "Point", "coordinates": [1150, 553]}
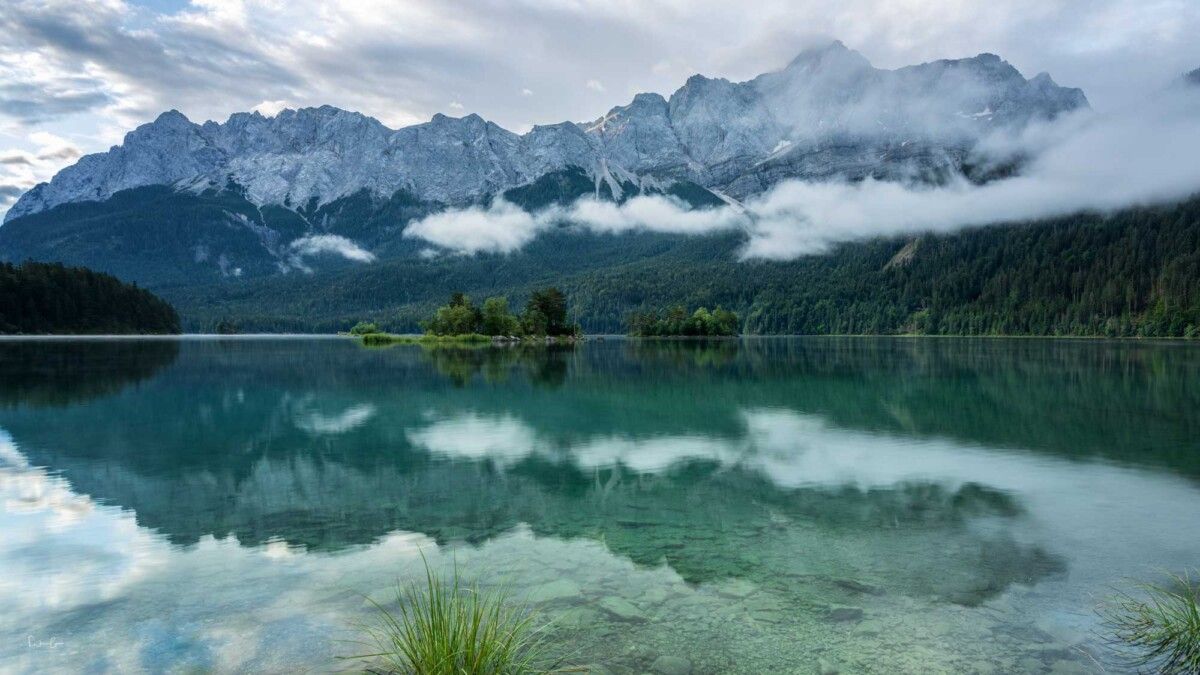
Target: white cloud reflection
{"type": "Point", "coordinates": [501, 438]}
{"type": "Point", "coordinates": [266, 607]}
{"type": "Point", "coordinates": [1081, 504]}
{"type": "Point", "coordinates": [59, 549]}
{"type": "Point", "coordinates": [316, 422]}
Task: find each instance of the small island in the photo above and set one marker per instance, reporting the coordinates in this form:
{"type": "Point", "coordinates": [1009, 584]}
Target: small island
{"type": "Point", "coordinates": [676, 322]}
{"type": "Point", "coordinates": [53, 299]}
{"type": "Point", "coordinates": [545, 317]}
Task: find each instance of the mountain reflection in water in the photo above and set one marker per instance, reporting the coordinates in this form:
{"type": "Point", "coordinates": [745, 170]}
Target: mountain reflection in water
{"type": "Point", "coordinates": [777, 478]}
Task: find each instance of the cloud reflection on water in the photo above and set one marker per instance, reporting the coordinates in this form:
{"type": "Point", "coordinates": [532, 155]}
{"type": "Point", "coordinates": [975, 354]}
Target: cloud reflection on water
{"type": "Point", "coordinates": [316, 422]}
{"type": "Point", "coordinates": [224, 519]}
{"type": "Point", "coordinates": [1089, 505]}
{"type": "Point", "coordinates": [54, 539]}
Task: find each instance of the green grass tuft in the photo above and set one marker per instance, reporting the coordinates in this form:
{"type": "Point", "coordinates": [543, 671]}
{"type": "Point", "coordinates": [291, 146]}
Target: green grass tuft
{"type": "Point", "coordinates": [1159, 628]}
{"type": "Point", "coordinates": [448, 627]}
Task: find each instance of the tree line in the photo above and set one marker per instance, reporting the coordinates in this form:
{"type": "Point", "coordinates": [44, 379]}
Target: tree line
{"type": "Point", "coordinates": [51, 298]}
{"type": "Point", "coordinates": [1132, 273]}
{"type": "Point", "coordinates": [677, 322]}
{"type": "Point", "coordinates": [545, 315]}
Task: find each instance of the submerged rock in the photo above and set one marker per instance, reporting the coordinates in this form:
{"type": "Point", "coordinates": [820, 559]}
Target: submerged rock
{"type": "Point", "coordinates": [826, 667]}
{"type": "Point", "coordinates": [858, 586]}
{"type": "Point", "coordinates": [736, 588]}
{"type": "Point", "coordinates": [654, 596]}
{"type": "Point", "coordinates": [555, 590]}
{"type": "Point", "coordinates": [622, 609]}
{"type": "Point", "coordinates": [845, 614]}
{"type": "Point", "coordinates": [766, 608]}
{"type": "Point", "coordinates": [671, 665]}
{"type": "Point", "coordinates": [578, 617]}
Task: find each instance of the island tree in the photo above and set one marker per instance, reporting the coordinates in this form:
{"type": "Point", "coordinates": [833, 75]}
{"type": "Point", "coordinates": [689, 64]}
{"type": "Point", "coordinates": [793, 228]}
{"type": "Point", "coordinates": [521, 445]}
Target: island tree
{"type": "Point", "coordinates": [545, 314]}
{"type": "Point", "coordinates": [676, 322]}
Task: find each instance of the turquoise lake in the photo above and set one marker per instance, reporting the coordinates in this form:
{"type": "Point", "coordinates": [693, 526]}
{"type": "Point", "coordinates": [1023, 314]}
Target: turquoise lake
{"type": "Point", "coordinates": [782, 505]}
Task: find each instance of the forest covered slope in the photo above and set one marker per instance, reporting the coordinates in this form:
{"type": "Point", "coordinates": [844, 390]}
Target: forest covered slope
{"type": "Point", "coordinates": [1132, 273]}
{"type": "Point", "coordinates": [50, 298]}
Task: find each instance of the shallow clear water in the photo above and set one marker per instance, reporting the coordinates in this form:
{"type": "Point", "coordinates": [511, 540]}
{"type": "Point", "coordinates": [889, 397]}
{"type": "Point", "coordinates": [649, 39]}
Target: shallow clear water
{"type": "Point", "coordinates": [773, 505]}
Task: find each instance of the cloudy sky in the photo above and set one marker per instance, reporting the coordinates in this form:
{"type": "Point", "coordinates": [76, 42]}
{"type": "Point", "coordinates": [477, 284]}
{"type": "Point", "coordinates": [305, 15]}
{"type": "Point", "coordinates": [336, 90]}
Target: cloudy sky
{"type": "Point", "coordinates": [75, 75]}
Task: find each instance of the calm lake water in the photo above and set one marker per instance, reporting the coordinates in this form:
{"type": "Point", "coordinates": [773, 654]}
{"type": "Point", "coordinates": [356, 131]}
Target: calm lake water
{"type": "Point", "coordinates": [773, 505]}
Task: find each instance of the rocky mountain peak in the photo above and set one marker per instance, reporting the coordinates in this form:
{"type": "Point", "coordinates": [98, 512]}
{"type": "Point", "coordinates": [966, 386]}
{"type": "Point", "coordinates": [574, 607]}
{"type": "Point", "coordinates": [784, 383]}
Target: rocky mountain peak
{"type": "Point", "coordinates": [828, 52]}
{"type": "Point", "coordinates": [171, 117]}
{"type": "Point", "coordinates": [737, 137]}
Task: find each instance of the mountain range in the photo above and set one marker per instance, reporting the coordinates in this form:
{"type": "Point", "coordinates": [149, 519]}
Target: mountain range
{"type": "Point", "coordinates": [297, 221]}
{"type": "Point", "coordinates": [828, 113]}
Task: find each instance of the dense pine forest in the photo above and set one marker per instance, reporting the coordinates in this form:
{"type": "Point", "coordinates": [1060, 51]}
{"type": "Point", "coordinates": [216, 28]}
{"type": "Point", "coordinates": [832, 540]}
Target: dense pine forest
{"type": "Point", "coordinates": [50, 298]}
{"type": "Point", "coordinates": [1133, 273]}
{"type": "Point", "coordinates": [1136, 273]}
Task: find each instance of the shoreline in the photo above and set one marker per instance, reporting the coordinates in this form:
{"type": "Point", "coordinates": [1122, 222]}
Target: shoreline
{"type": "Point", "coordinates": [600, 337]}
{"type": "Point", "coordinates": [175, 336]}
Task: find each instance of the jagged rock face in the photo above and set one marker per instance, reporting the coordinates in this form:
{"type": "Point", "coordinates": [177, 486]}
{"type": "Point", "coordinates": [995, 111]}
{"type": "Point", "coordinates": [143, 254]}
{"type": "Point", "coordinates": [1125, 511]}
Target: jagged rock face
{"type": "Point", "coordinates": [719, 121]}
{"type": "Point", "coordinates": [300, 154]}
{"type": "Point", "coordinates": [549, 148]}
{"type": "Point", "coordinates": [168, 150]}
{"type": "Point", "coordinates": [640, 137]}
{"type": "Point", "coordinates": [829, 113]}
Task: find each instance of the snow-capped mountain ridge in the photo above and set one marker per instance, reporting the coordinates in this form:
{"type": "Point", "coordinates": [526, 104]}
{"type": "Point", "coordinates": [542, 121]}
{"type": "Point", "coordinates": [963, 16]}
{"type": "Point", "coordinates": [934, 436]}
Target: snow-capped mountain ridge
{"type": "Point", "coordinates": [828, 113]}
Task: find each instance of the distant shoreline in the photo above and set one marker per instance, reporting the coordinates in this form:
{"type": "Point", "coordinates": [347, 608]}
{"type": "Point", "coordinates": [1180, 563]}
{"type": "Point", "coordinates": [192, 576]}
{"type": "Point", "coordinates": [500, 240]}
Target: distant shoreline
{"type": "Point", "coordinates": [591, 337]}
{"type": "Point", "coordinates": [175, 336]}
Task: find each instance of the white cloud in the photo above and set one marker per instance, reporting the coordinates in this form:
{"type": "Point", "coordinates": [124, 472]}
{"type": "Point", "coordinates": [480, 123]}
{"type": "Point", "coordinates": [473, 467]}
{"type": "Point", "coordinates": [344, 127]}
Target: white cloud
{"type": "Point", "coordinates": [501, 228]}
{"type": "Point", "coordinates": [1143, 154]}
{"type": "Point", "coordinates": [595, 85]}
{"type": "Point", "coordinates": [270, 108]}
{"type": "Point", "coordinates": [119, 60]}
{"type": "Point", "coordinates": [317, 244]}
{"type": "Point", "coordinates": [92, 69]}
{"type": "Point", "coordinates": [504, 227]}
{"type": "Point", "coordinates": [45, 139]}
{"type": "Point", "coordinates": [648, 213]}
{"type": "Point", "coordinates": [21, 168]}
{"type": "Point", "coordinates": [527, 92]}
{"type": "Point", "coordinates": [455, 105]}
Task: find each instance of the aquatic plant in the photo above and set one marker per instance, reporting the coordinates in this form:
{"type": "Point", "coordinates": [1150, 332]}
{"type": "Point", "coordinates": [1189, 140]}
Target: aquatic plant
{"type": "Point", "coordinates": [449, 627]}
{"type": "Point", "coordinates": [1159, 628]}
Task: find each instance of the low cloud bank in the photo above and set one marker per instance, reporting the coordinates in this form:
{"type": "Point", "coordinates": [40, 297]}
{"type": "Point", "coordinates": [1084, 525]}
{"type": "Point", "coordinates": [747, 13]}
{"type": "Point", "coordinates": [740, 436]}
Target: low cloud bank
{"type": "Point", "coordinates": [1144, 154]}
{"type": "Point", "coordinates": [501, 228]}
{"type": "Point", "coordinates": [316, 244]}
{"type": "Point", "coordinates": [504, 227]}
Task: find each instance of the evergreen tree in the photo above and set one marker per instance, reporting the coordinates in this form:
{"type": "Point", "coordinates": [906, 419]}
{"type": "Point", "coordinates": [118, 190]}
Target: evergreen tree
{"type": "Point", "coordinates": [50, 298]}
{"type": "Point", "coordinates": [546, 312]}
